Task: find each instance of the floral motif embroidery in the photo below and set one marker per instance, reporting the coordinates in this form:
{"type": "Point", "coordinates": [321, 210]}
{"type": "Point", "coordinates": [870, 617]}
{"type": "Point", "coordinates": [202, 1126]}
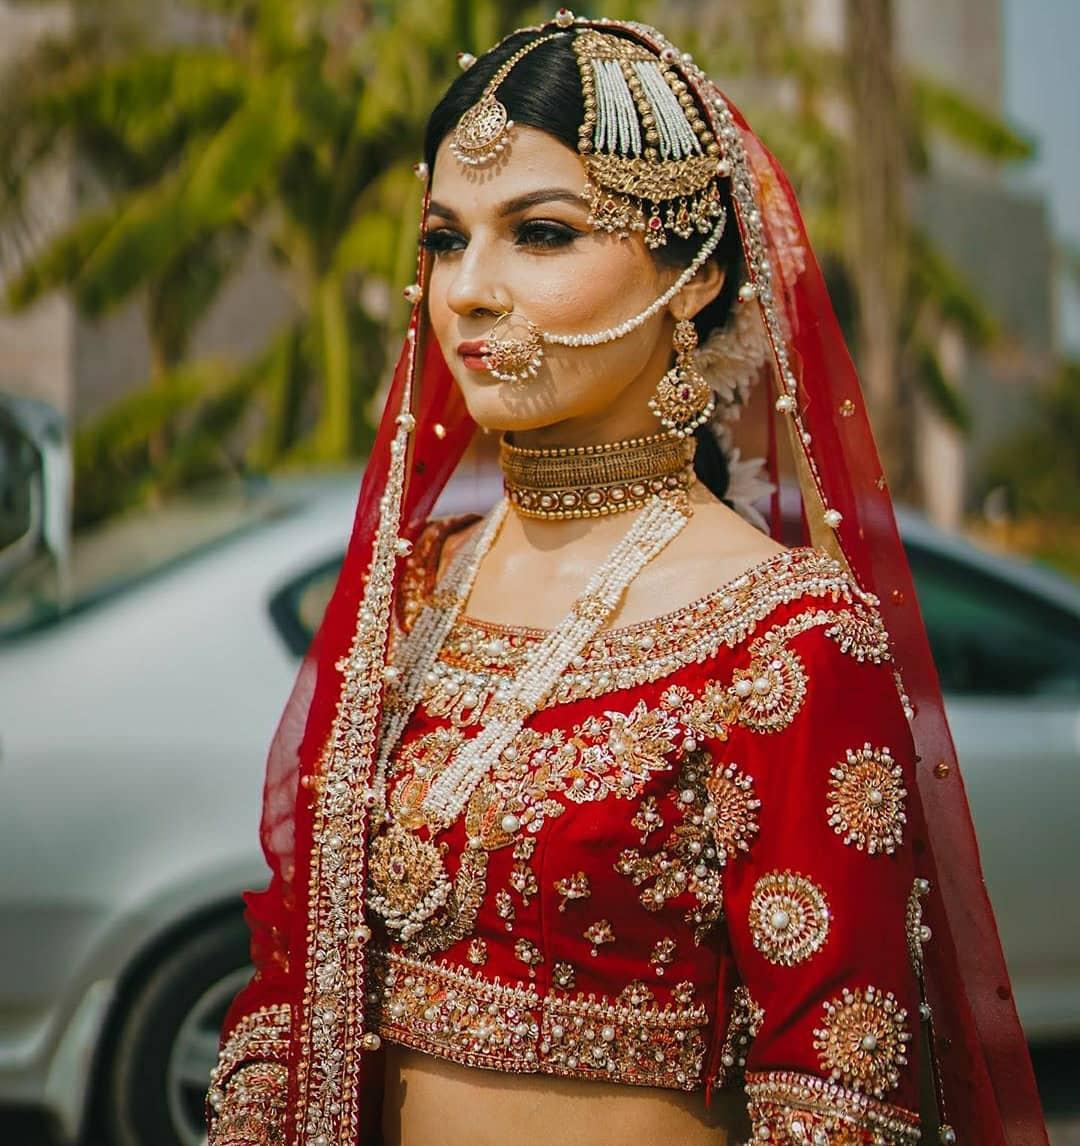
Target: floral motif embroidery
{"type": "Point", "coordinates": [861, 633]}
{"type": "Point", "coordinates": [632, 1040]}
{"type": "Point", "coordinates": [731, 812]}
{"type": "Point", "coordinates": [528, 953]}
{"type": "Point", "coordinates": [477, 953]}
{"type": "Point", "coordinates": [261, 1035]}
{"type": "Point", "coordinates": [252, 1107]}
{"type": "Point", "coordinates": [771, 690]}
{"type": "Point", "coordinates": [504, 908]}
{"type": "Point", "coordinates": [574, 886]}
{"type": "Point", "coordinates": [789, 1108]}
{"type": "Point", "coordinates": [862, 1043]}
{"type": "Point", "coordinates": [598, 933]}
{"type": "Point", "coordinates": [689, 862]}
{"type": "Point", "coordinates": [789, 918]}
{"type": "Point", "coordinates": [866, 796]}
{"type": "Point", "coordinates": [663, 954]}
{"type": "Point", "coordinates": [647, 818]}
{"type": "Point", "coordinates": [562, 975]}
{"type": "Point", "coordinates": [917, 931]}
{"type": "Point", "coordinates": [523, 881]}
{"type": "Point", "coordinates": [743, 1026]}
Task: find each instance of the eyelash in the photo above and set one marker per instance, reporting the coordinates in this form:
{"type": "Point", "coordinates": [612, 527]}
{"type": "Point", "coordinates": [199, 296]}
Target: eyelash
{"type": "Point", "coordinates": [556, 235]}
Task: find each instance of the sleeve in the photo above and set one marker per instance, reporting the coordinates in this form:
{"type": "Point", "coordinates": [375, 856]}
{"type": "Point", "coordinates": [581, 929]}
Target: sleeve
{"type": "Point", "coordinates": [819, 907]}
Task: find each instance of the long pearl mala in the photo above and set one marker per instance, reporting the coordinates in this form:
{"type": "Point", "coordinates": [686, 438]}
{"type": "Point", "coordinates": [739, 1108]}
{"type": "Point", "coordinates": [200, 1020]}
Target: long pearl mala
{"type": "Point", "coordinates": [421, 646]}
{"type": "Point", "coordinates": [661, 520]}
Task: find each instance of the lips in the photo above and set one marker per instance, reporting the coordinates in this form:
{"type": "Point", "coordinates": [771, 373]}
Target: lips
{"type": "Point", "coordinates": [472, 355]}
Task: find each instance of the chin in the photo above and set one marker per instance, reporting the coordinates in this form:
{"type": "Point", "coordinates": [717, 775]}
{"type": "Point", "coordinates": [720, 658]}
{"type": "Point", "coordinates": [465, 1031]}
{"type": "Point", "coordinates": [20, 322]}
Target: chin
{"type": "Point", "coordinates": [501, 407]}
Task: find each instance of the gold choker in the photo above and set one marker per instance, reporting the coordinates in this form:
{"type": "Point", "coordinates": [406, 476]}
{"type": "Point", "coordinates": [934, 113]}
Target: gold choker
{"type": "Point", "coordinates": [565, 482]}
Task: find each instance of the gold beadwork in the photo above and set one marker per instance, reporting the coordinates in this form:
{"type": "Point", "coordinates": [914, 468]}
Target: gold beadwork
{"type": "Point", "coordinates": [481, 133]}
{"type": "Point", "coordinates": [731, 812]}
{"type": "Point", "coordinates": [866, 794]}
{"type": "Point", "coordinates": [683, 399]}
{"type": "Point", "coordinates": [563, 483]}
{"type": "Point", "coordinates": [863, 1041]}
{"type": "Point", "coordinates": [789, 918]}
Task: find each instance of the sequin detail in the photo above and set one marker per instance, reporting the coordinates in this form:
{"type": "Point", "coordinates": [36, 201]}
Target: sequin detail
{"type": "Point", "coordinates": [731, 812]}
{"type": "Point", "coordinates": [789, 917]}
{"type": "Point", "coordinates": [743, 1025]}
{"type": "Point", "coordinates": [863, 1040]}
{"type": "Point", "coordinates": [866, 800]}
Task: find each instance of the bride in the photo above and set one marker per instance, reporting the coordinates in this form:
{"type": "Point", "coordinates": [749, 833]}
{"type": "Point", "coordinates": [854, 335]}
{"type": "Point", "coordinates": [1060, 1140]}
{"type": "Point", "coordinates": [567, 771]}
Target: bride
{"type": "Point", "coordinates": [607, 817]}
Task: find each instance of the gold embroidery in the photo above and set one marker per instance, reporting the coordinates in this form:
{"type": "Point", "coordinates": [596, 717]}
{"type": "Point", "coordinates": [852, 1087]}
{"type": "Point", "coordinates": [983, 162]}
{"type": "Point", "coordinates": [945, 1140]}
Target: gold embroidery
{"type": "Point", "coordinates": [688, 861]}
{"type": "Point", "coordinates": [861, 633]}
{"type": "Point", "coordinates": [478, 655]}
{"type": "Point", "coordinates": [663, 954]}
{"type": "Point", "coordinates": [743, 1026]}
{"type": "Point", "coordinates": [647, 818]}
{"type": "Point", "coordinates": [574, 886]}
{"type": "Point", "coordinates": [771, 690]}
{"type": "Point", "coordinates": [789, 918]}
{"type": "Point", "coordinates": [562, 975]}
{"type": "Point", "coordinates": [917, 931]}
{"type": "Point", "coordinates": [252, 1108]}
{"type": "Point", "coordinates": [867, 800]}
{"type": "Point", "coordinates": [523, 881]}
{"type": "Point", "coordinates": [789, 1109]}
{"type": "Point", "coordinates": [631, 1040]}
{"type": "Point", "coordinates": [477, 953]}
{"type": "Point", "coordinates": [528, 953]}
{"type": "Point", "coordinates": [862, 1043]}
{"type": "Point", "coordinates": [731, 812]}
{"type": "Point", "coordinates": [599, 933]}
{"type": "Point", "coordinates": [245, 1084]}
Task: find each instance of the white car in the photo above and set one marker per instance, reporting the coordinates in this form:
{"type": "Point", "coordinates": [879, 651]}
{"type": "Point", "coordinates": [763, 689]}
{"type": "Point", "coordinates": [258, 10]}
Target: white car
{"type": "Point", "coordinates": [133, 732]}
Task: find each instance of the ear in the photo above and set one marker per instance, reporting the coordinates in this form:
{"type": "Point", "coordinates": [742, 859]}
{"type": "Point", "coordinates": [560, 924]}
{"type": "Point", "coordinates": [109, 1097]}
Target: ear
{"type": "Point", "coordinates": [699, 291]}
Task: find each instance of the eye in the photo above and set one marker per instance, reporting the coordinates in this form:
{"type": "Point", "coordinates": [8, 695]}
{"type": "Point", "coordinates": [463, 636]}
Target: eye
{"type": "Point", "coordinates": [441, 240]}
{"type": "Point", "coordinates": [541, 233]}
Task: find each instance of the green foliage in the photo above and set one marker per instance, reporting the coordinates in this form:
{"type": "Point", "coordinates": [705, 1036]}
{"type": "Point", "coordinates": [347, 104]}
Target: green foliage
{"type": "Point", "coordinates": [1039, 464]}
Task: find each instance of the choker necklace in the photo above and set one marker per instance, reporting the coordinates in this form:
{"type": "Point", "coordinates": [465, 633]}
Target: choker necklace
{"type": "Point", "coordinates": [564, 482]}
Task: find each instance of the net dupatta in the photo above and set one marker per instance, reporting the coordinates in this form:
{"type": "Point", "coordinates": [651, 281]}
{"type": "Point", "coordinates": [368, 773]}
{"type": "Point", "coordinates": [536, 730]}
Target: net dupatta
{"type": "Point", "coordinates": [309, 935]}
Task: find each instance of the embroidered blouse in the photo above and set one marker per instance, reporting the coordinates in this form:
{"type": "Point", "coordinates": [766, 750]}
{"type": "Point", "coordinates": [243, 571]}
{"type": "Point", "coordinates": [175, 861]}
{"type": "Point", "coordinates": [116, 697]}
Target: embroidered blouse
{"type": "Point", "coordinates": [694, 869]}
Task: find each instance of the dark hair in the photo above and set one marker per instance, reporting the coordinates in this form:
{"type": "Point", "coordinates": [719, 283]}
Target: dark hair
{"type": "Point", "coordinates": [543, 90]}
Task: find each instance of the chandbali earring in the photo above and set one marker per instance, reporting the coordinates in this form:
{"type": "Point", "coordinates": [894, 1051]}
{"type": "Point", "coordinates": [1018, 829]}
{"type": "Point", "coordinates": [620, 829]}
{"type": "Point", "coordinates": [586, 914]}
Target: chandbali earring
{"type": "Point", "coordinates": [683, 399]}
{"type": "Point", "coordinates": [514, 359]}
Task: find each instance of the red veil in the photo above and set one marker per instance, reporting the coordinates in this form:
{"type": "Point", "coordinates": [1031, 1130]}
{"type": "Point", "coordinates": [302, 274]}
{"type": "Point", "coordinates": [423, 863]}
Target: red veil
{"type": "Point", "coordinates": [306, 1004]}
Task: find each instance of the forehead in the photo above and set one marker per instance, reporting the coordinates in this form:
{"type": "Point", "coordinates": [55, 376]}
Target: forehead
{"type": "Point", "coordinates": [533, 159]}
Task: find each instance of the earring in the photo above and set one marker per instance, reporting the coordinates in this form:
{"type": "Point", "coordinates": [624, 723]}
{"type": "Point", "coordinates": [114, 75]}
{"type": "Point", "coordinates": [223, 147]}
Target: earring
{"type": "Point", "coordinates": [514, 359]}
{"type": "Point", "coordinates": [683, 399]}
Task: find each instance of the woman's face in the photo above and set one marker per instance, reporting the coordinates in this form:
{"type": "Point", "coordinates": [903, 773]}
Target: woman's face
{"type": "Point", "coordinates": [515, 237]}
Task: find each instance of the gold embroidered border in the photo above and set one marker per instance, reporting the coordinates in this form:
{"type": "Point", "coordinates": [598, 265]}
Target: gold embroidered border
{"type": "Point", "coordinates": [252, 1110]}
{"type": "Point", "coordinates": [260, 1039]}
{"type": "Point", "coordinates": [457, 1014]}
{"type": "Point", "coordinates": [788, 1109]}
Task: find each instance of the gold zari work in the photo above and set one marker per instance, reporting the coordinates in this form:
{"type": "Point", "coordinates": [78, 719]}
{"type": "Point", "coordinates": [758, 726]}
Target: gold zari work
{"type": "Point", "coordinates": [866, 795]}
{"type": "Point", "coordinates": [863, 1040]}
{"type": "Point", "coordinates": [789, 918]}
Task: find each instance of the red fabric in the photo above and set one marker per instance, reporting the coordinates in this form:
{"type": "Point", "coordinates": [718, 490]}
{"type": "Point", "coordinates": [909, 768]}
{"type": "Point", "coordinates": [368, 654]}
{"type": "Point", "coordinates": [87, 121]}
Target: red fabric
{"type": "Point", "coordinates": [989, 1086]}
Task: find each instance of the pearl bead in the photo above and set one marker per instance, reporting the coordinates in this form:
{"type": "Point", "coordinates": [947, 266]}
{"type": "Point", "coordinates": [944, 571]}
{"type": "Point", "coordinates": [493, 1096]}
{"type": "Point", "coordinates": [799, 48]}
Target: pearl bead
{"type": "Point", "coordinates": [420, 170]}
{"type": "Point", "coordinates": [780, 920]}
{"type": "Point", "coordinates": [876, 797]}
{"type": "Point", "coordinates": [832, 518]}
{"type": "Point", "coordinates": [413, 292]}
{"type": "Point", "coordinates": [564, 17]}
{"type": "Point", "coordinates": [510, 823]}
{"type": "Point", "coordinates": [947, 1135]}
{"type": "Point", "coordinates": [785, 404]}
{"type": "Point", "coordinates": [465, 60]}
{"type": "Point", "coordinates": [869, 1043]}
{"type": "Point", "coordinates": [744, 687]}
{"type": "Point", "coordinates": [747, 292]}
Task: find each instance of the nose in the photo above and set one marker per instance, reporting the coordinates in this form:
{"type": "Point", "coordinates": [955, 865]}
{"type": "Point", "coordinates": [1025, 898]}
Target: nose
{"type": "Point", "coordinates": [474, 289]}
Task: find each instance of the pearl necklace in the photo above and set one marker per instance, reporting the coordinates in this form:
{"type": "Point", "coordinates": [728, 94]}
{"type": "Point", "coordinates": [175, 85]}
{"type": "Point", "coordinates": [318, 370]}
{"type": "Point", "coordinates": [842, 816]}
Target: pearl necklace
{"type": "Point", "coordinates": [662, 519]}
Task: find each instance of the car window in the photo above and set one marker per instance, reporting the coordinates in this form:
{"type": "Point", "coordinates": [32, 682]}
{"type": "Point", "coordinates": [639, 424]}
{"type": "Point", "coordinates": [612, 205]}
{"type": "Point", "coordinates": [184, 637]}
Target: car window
{"type": "Point", "coordinates": [991, 638]}
{"type": "Point", "coordinates": [297, 608]}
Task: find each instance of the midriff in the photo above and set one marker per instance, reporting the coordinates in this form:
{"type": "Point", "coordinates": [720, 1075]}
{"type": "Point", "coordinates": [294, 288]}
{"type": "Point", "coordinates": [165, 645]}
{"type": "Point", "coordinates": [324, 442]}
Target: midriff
{"type": "Point", "coordinates": [432, 1102]}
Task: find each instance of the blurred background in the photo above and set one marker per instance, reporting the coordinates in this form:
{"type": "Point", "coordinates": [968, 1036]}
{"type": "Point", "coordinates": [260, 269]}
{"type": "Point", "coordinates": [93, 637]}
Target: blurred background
{"type": "Point", "coordinates": [207, 214]}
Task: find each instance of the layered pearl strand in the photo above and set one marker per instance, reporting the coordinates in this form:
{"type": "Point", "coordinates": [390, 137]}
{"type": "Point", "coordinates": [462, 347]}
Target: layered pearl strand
{"type": "Point", "coordinates": [662, 519]}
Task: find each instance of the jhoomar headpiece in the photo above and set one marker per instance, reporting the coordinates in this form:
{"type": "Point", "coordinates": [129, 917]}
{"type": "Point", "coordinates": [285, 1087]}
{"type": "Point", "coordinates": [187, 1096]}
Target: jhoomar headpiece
{"type": "Point", "coordinates": [651, 161]}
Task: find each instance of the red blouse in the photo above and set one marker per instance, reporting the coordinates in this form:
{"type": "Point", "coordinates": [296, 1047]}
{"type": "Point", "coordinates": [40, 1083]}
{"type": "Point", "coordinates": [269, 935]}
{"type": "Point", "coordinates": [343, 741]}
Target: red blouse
{"type": "Point", "coordinates": [694, 869]}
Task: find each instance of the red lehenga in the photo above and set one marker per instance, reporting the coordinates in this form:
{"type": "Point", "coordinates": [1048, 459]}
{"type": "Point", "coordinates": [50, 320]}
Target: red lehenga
{"type": "Point", "coordinates": [738, 851]}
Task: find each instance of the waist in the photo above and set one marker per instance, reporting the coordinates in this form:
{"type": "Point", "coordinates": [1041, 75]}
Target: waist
{"type": "Point", "coordinates": [434, 1100]}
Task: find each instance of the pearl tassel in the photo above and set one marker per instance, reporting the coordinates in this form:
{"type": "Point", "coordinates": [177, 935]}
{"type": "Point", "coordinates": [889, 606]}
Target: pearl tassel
{"type": "Point", "coordinates": [660, 522]}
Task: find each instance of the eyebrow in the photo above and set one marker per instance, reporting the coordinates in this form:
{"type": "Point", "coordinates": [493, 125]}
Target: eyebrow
{"type": "Point", "coordinates": [521, 202]}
